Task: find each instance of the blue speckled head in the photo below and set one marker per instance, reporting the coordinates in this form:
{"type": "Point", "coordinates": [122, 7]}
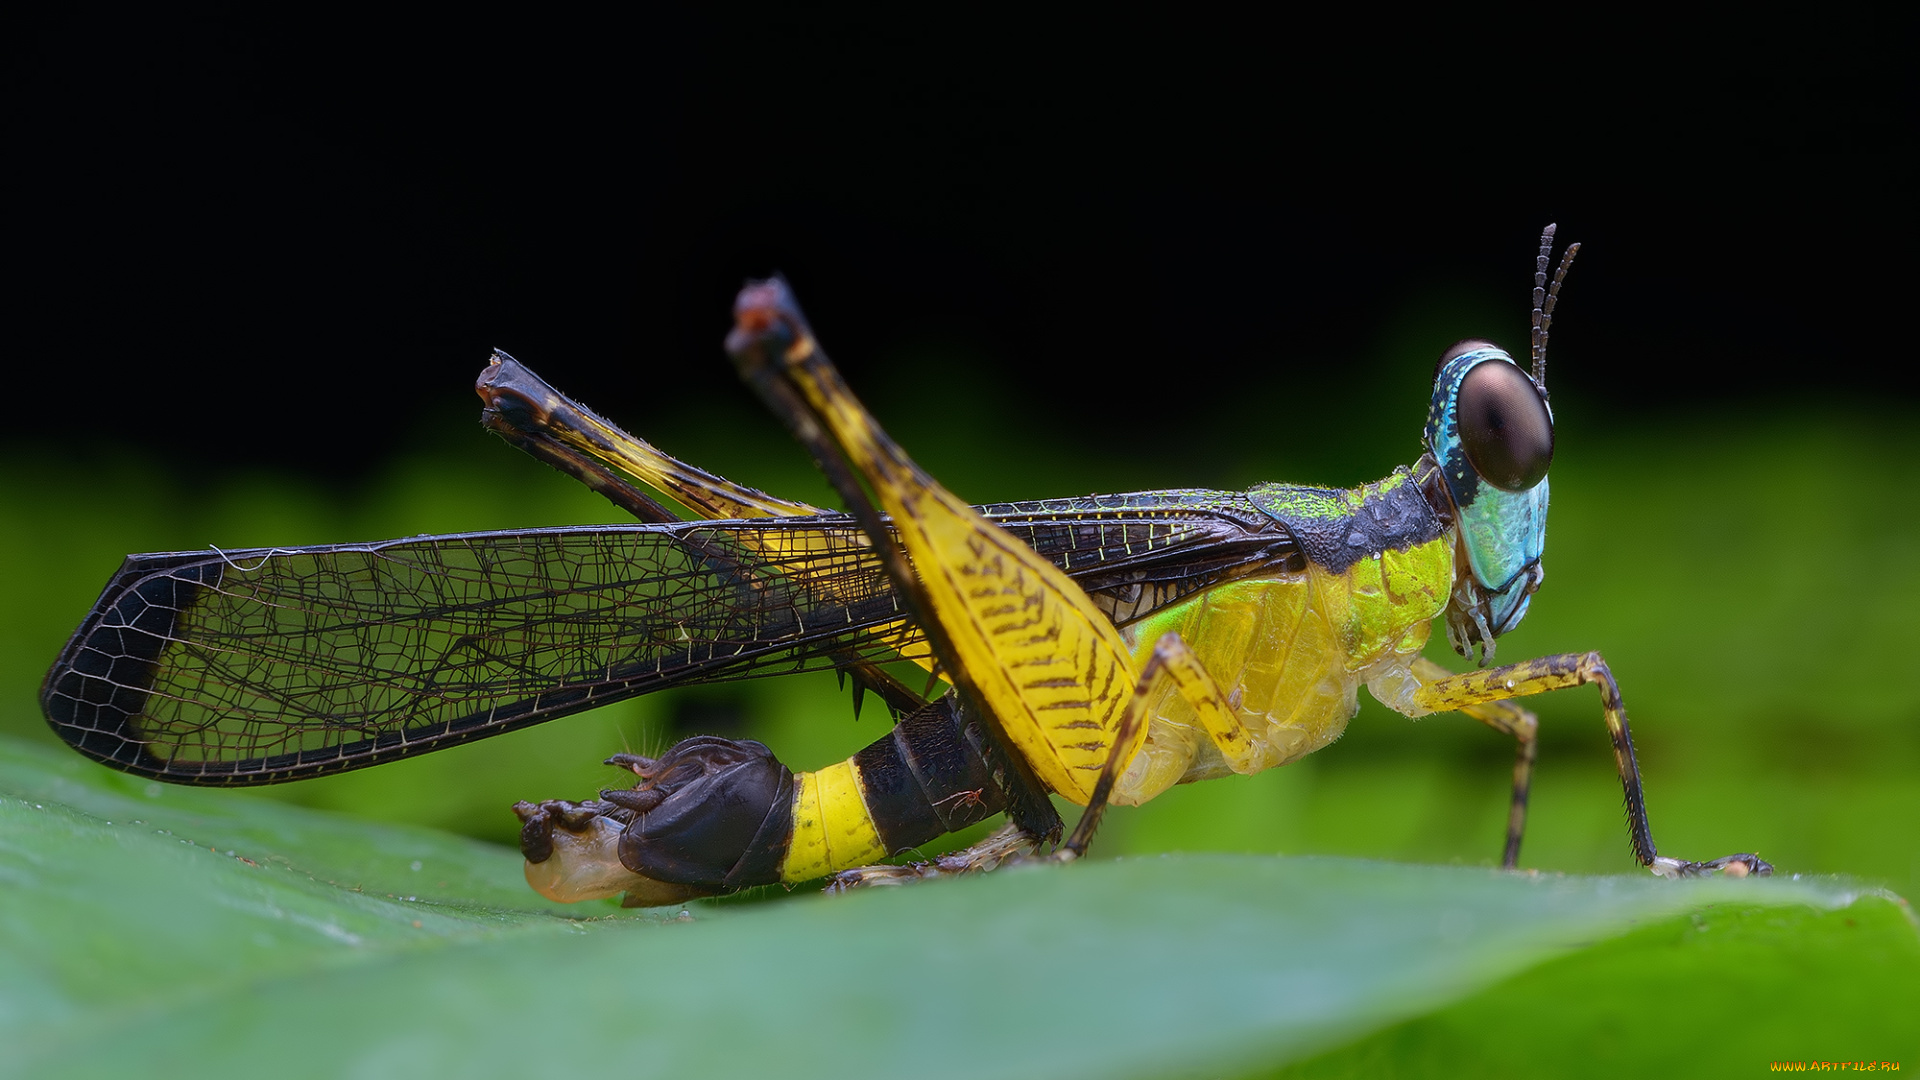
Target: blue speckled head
{"type": "Point", "coordinates": [1491, 434]}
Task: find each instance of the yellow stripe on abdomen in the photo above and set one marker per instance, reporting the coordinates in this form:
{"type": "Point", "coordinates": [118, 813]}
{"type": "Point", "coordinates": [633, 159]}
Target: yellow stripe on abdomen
{"type": "Point", "coordinates": [832, 829]}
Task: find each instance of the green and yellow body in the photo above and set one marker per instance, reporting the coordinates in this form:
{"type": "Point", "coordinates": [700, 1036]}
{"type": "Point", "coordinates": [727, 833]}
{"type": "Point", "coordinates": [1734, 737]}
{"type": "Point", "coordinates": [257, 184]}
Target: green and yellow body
{"type": "Point", "coordinates": [1334, 589]}
{"type": "Point", "coordinates": [1292, 649]}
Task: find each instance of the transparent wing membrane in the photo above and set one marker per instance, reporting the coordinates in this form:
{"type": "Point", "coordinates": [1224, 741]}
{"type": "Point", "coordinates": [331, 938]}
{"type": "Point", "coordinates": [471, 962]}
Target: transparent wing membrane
{"type": "Point", "coordinates": [279, 663]}
{"type": "Point", "coordinates": [258, 666]}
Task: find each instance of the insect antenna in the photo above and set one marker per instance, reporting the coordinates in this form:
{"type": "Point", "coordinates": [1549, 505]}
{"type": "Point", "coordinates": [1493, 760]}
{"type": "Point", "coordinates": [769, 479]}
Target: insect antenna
{"type": "Point", "coordinates": [1544, 297]}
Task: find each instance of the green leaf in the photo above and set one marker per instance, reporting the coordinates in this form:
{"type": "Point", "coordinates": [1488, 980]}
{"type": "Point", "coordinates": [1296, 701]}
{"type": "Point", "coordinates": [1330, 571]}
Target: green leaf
{"type": "Point", "coordinates": [157, 930]}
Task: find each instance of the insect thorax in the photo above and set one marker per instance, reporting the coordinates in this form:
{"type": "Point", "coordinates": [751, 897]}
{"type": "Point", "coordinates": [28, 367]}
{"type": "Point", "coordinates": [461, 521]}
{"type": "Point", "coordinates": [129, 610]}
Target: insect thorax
{"type": "Point", "coordinates": [1291, 649]}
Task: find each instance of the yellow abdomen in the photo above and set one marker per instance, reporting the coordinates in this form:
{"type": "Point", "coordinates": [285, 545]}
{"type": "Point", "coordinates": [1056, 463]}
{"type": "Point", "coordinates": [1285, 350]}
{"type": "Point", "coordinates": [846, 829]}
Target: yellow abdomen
{"type": "Point", "coordinates": [1290, 652]}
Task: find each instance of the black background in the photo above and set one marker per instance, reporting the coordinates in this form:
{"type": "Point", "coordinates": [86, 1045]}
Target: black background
{"type": "Point", "coordinates": [285, 242]}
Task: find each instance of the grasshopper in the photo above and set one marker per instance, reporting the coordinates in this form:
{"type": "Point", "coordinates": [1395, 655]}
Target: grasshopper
{"type": "Point", "coordinates": [1102, 649]}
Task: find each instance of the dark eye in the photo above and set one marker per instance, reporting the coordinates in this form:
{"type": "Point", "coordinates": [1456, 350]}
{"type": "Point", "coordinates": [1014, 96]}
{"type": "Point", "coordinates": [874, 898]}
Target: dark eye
{"type": "Point", "coordinates": [1504, 426]}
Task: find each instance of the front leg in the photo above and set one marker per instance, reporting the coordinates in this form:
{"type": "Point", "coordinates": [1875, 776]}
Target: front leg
{"type": "Point", "coordinates": [1578, 669]}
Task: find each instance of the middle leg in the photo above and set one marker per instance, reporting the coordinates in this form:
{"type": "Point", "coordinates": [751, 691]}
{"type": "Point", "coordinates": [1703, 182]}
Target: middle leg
{"type": "Point", "coordinates": [1172, 658]}
{"type": "Point", "coordinates": [1511, 719]}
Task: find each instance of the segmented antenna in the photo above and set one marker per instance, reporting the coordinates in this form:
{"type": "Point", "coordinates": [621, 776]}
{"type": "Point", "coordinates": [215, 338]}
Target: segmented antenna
{"type": "Point", "coordinates": [1544, 297]}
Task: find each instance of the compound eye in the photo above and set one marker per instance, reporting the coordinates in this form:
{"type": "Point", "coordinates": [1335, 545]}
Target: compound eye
{"type": "Point", "coordinates": [1504, 426]}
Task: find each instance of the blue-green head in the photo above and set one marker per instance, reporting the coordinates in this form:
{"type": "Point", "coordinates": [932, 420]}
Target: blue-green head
{"type": "Point", "coordinates": [1490, 435]}
{"type": "Point", "coordinates": [1490, 432]}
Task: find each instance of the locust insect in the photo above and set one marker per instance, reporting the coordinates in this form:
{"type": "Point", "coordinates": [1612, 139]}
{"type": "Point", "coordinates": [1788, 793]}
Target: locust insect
{"type": "Point", "coordinates": [1102, 649]}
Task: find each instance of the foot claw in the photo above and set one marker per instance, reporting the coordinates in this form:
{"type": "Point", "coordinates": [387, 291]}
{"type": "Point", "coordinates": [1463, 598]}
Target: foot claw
{"type": "Point", "coordinates": [1008, 845]}
{"type": "Point", "coordinates": [875, 876]}
{"type": "Point", "coordinates": [1741, 865]}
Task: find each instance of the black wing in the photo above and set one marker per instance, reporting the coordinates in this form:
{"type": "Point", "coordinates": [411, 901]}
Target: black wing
{"type": "Point", "coordinates": [253, 667]}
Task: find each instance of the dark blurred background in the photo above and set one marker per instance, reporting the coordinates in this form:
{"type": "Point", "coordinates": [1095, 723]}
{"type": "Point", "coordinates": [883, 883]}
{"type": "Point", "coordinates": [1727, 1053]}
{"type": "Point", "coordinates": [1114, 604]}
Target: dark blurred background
{"type": "Point", "coordinates": [300, 237]}
{"type": "Point", "coordinates": [255, 264]}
